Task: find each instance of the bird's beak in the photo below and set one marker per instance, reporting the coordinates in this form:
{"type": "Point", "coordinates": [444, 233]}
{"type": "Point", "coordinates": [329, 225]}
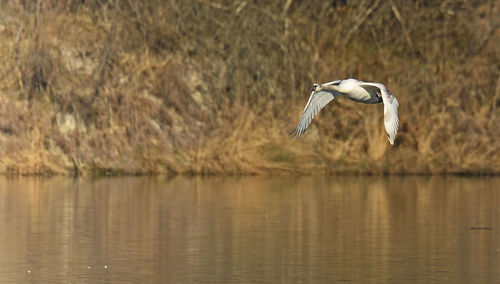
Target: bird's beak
{"type": "Point", "coordinates": [313, 88]}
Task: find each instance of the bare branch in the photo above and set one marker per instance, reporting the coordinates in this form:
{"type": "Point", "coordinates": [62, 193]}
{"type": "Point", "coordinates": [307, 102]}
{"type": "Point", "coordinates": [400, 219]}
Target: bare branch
{"type": "Point", "coordinates": [402, 22]}
{"type": "Point", "coordinates": [359, 22]}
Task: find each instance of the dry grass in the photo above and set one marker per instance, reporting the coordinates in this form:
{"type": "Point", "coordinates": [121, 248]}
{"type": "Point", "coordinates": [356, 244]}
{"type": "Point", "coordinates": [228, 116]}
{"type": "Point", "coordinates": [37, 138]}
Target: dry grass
{"type": "Point", "coordinates": [214, 87]}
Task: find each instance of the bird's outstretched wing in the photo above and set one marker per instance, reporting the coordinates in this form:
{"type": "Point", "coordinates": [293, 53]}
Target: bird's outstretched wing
{"type": "Point", "coordinates": [316, 102]}
{"type": "Point", "coordinates": [391, 104]}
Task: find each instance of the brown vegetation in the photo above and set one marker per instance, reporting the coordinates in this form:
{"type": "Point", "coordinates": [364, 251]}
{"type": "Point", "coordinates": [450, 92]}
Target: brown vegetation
{"type": "Point", "coordinates": [214, 86]}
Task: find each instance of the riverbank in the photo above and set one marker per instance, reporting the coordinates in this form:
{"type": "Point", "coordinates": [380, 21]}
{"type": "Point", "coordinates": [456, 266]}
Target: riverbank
{"type": "Point", "coordinates": [199, 87]}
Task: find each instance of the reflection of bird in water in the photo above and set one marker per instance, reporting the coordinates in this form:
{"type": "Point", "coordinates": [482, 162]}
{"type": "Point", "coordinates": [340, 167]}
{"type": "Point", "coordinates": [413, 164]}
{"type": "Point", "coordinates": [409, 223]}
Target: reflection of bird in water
{"type": "Point", "coordinates": [358, 91]}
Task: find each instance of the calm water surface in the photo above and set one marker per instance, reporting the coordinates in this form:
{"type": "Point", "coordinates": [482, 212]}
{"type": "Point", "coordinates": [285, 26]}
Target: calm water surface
{"type": "Point", "coordinates": [250, 230]}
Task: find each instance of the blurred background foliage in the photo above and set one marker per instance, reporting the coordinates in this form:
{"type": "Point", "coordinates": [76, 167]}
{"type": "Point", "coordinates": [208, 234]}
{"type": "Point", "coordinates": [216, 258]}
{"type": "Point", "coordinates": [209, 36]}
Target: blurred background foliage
{"type": "Point", "coordinates": [215, 86]}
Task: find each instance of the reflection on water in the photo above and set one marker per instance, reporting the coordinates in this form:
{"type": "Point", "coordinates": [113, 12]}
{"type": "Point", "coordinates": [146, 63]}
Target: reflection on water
{"type": "Point", "coordinates": [310, 229]}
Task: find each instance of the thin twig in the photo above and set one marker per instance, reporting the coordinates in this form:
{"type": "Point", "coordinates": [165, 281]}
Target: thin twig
{"type": "Point", "coordinates": [240, 7]}
{"type": "Point", "coordinates": [216, 5]}
{"type": "Point", "coordinates": [287, 6]}
{"type": "Point", "coordinates": [359, 22]}
{"type": "Point", "coordinates": [402, 22]}
{"type": "Point", "coordinates": [16, 55]}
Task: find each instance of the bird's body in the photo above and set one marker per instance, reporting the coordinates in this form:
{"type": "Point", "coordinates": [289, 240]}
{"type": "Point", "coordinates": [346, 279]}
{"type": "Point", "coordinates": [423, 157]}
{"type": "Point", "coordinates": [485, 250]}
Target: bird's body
{"type": "Point", "coordinates": [358, 91]}
{"type": "Point", "coordinates": [354, 92]}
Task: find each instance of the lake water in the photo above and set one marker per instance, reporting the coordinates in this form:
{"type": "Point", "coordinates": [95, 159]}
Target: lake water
{"type": "Point", "coordinates": [250, 230]}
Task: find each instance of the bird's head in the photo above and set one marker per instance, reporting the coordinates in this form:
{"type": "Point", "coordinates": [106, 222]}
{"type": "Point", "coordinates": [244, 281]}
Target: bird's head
{"type": "Point", "coordinates": [315, 87]}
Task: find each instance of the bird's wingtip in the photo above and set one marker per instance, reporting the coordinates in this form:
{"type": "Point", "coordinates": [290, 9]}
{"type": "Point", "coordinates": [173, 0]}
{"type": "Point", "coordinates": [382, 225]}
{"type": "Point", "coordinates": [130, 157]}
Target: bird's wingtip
{"type": "Point", "coordinates": [391, 139]}
{"type": "Point", "coordinates": [295, 134]}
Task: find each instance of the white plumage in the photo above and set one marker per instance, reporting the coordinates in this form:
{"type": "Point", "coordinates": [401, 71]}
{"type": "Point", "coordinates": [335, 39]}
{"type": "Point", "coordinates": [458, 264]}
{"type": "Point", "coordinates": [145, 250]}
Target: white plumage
{"type": "Point", "coordinates": [358, 91]}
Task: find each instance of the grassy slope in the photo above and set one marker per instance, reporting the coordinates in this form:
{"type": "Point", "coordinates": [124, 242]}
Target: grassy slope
{"type": "Point", "coordinates": [215, 86]}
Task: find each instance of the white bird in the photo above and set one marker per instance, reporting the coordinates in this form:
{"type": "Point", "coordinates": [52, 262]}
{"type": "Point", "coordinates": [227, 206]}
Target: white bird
{"type": "Point", "coordinates": [358, 91]}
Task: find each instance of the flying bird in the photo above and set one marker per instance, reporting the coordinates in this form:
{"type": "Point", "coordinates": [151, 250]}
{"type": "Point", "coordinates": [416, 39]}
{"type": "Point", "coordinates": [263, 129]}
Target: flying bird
{"type": "Point", "coordinates": [358, 91]}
